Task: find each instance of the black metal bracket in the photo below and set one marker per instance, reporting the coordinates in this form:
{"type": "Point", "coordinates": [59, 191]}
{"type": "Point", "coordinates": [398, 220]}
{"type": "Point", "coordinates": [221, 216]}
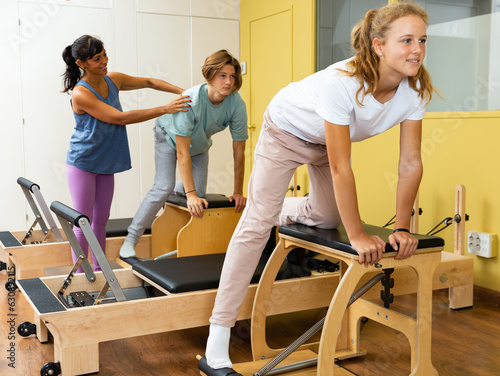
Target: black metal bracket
{"type": "Point", "coordinates": [388, 283]}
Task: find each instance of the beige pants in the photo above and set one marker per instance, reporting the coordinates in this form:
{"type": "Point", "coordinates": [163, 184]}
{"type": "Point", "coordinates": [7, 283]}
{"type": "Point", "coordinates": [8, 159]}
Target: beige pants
{"type": "Point", "coordinates": [277, 155]}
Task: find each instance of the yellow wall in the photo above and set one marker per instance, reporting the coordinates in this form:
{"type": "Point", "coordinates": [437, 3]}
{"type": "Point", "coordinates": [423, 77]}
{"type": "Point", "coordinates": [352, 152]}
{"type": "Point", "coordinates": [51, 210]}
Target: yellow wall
{"type": "Point", "coordinates": [457, 148]}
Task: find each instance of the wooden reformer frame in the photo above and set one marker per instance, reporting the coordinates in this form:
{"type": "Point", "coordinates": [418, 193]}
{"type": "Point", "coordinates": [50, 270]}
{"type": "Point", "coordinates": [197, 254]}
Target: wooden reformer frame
{"type": "Point", "coordinates": [27, 254]}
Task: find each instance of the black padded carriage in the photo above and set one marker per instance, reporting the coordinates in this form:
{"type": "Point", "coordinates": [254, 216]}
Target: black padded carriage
{"type": "Point", "coordinates": [338, 239]}
{"type": "Point", "coordinates": [193, 273]}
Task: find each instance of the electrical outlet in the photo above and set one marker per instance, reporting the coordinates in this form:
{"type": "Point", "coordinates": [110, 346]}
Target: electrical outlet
{"type": "Point", "coordinates": [480, 244]}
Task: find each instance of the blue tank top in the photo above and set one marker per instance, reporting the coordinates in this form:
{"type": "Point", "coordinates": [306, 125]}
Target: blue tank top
{"type": "Point", "coordinates": [96, 146]}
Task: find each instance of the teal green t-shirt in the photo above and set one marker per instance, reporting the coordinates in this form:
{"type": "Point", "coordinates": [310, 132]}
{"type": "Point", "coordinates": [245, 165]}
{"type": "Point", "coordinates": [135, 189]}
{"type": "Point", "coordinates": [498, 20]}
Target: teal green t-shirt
{"type": "Point", "coordinates": [204, 120]}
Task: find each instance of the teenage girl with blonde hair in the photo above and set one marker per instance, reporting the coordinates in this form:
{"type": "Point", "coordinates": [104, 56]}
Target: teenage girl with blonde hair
{"type": "Point", "coordinates": [314, 122]}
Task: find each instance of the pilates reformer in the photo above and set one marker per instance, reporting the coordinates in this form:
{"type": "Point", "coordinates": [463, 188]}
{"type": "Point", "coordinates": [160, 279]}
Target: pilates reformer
{"type": "Point", "coordinates": [82, 310]}
{"type": "Point", "coordinates": [28, 254]}
{"type": "Point", "coordinates": [44, 250]}
{"type": "Point", "coordinates": [340, 336]}
{"type": "Point", "coordinates": [31, 260]}
{"type": "Point", "coordinates": [48, 232]}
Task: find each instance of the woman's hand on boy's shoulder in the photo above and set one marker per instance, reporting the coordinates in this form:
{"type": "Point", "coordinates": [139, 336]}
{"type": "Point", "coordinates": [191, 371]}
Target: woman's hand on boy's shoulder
{"type": "Point", "coordinates": [179, 104]}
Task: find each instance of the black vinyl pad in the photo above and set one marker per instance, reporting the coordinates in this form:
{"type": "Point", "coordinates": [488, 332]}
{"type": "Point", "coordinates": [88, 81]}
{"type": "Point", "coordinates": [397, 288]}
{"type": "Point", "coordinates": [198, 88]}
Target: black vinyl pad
{"type": "Point", "coordinates": [118, 227]}
{"type": "Point", "coordinates": [214, 200]}
{"type": "Point", "coordinates": [9, 240]}
{"type": "Point", "coordinates": [194, 273]}
{"type": "Point", "coordinates": [338, 239]}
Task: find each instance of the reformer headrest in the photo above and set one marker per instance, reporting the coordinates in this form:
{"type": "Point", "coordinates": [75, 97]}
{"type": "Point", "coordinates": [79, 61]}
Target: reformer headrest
{"type": "Point", "coordinates": [338, 239]}
{"type": "Point", "coordinates": [23, 182]}
{"type": "Point", "coordinates": [69, 214]}
{"type": "Point", "coordinates": [215, 200]}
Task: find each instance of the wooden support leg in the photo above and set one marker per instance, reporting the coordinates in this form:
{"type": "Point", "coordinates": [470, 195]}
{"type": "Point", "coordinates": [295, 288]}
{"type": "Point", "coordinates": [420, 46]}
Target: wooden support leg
{"type": "Point", "coordinates": [42, 332]}
{"type": "Point", "coordinates": [425, 265]}
{"type": "Point", "coordinates": [260, 349]}
{"type": "Point", "coordinates": [460, 296]}
{"type": "Point", "coordinates": [333, 323]}
{"type": "Point", "coordinates": [78, 360]}
{"type": "Point", "coordinates": [9, 265]}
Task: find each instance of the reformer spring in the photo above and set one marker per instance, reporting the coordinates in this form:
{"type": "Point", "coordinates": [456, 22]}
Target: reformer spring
{"type": "Point", "coordinates": [392, 220]}
{"type": "Point", "coordinates": [447, 222]}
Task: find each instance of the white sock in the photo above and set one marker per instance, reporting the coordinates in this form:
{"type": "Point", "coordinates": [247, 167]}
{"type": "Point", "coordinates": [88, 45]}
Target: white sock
{"type": "Point", "coordinates": [127, 249]}
{"type": "Point", "coordinates": [217, 352]}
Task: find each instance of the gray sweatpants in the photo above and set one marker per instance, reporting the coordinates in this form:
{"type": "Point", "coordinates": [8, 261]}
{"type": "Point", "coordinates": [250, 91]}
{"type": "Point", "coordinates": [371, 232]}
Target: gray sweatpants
{"type": "Point", "coordinates": [164, 184]}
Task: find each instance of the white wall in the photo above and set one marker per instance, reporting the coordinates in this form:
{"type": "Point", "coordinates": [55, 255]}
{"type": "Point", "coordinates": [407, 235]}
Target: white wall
{"type": "Point", "coordinates": [167, 39]}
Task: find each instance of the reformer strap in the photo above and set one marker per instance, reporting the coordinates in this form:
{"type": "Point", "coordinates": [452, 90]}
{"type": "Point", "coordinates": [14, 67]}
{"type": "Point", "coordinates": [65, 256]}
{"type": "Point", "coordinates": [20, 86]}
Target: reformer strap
{"type": "Point", "coordinates": [268, 368]}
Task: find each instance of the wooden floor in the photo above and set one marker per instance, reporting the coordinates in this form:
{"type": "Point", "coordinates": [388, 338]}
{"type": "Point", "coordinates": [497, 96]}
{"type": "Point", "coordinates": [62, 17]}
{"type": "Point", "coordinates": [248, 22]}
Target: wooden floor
{"type": "Point", "coordinates": [465, 342]}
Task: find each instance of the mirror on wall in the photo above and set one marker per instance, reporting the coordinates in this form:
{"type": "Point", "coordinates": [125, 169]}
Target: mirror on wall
{"type": "Point", "coordinates": [462, 48]}
{"type": "Point", "coordinates": [335, 20]}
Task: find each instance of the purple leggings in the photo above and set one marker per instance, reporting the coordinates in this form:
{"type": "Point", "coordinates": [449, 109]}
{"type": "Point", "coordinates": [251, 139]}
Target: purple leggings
{"type": "Point", "coordinates": [92, 195]}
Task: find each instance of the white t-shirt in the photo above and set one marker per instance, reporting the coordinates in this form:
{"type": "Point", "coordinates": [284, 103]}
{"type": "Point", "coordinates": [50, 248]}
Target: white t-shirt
{"type": "Point", "coordinates": [302, 107]}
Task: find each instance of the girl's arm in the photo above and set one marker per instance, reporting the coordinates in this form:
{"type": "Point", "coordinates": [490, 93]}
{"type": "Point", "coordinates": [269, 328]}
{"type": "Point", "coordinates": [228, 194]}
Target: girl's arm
{"type": "Point", "coordinates": [194, 203]}
{"type": "Point", "coordinates": [239, 173]}
{"type": "Point", "coordinates": [84, 101]}
{"type": "Point", "coordinates": [410, 172]}
{"type": "Point", "coordinates": [126, 82]}
{"type": "Point", "coordinates": [338, 143]}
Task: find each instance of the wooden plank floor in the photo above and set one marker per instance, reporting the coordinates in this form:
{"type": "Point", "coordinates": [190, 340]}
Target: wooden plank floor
{"type": "Point", "coordinates": [465, 342]}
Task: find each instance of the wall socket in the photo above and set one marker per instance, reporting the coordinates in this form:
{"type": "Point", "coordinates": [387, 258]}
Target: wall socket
{"type": "Point", "coordinates": [480, 244]}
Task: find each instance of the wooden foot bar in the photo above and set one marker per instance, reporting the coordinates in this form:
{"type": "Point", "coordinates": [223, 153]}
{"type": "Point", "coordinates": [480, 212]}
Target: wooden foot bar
{"type": "Point", "coordinates": [340, 334]}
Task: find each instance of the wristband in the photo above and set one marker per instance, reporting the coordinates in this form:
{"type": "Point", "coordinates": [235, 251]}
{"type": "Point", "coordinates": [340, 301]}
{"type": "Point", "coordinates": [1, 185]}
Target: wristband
{"type": "Point", "coordinates": [193, 190]}
{"type": "Point", "coordinates": [401, 230]}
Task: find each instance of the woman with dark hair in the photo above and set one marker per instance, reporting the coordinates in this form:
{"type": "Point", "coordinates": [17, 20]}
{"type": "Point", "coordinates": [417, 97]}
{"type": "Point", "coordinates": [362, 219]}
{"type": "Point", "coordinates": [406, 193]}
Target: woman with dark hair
{"type": "Point", "coordinates": [99, 145]}
{"type": "Point", "coordinates": [314, 122]}
{"type": "Point", "coordinates": [185, 138]}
